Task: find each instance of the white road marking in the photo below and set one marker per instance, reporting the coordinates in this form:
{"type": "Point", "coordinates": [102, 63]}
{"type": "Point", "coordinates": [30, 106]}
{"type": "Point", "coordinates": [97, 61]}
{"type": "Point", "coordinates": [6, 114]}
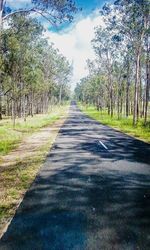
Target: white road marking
{"type": "Point", "coordinates": [103, 145]}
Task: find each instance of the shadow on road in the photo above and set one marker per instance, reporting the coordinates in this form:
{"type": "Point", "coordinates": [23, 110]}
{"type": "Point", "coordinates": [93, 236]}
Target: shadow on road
{"type": "Point", "coordinates": [86, 197]}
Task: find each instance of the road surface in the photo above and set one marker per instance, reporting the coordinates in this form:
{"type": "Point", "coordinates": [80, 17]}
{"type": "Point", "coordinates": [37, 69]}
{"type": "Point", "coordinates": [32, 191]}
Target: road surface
{"type": "Point", "coordinates": [92, 193]}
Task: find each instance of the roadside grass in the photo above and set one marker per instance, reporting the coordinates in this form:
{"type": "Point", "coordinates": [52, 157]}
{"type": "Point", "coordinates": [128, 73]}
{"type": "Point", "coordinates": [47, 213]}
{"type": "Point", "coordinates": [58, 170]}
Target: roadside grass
{"type": "Point", "coordinates": [16, 178]}
{"type": "Point", "coordinates": [123, 124]}
{"type": "Point", "coordinates": [15, 181]}
{"type": "Point", "coordinates": [11, 137]}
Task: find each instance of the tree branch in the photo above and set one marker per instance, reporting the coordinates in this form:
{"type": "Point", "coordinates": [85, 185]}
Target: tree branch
{"type": "Point", "coordinates": [28, 11]}
{"type": "Point", "coordinates": [16, 12]}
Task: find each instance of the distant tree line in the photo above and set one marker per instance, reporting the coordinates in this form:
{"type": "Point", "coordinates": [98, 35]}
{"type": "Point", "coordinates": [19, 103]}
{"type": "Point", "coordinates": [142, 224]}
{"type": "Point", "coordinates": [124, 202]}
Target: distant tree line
{"type": "Point", "coordinates": [119, 77]}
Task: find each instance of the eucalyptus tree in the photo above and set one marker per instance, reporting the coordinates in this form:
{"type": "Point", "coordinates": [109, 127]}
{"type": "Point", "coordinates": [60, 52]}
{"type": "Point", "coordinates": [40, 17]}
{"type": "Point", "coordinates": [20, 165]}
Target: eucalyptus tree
{"type": "Point", "coordinates": [105, 50]}
{"type": "Point", "coordinates": [134, 25]}
{"type": "Point", "coordinates": [31, 69]}
{"type": "Point", "coordinates": [54, 11]}
{"type": "Point", "coordinates": [64, 71]}
{"type": "Point", "coordinates": [122, 51]}
{"type": "Point", "coordinates": [17, 42]}
{"type": "Point", "coordinates": [57, 71]}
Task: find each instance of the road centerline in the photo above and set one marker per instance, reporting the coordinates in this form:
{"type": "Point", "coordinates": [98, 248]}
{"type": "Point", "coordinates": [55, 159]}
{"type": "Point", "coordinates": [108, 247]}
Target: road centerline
{"type": "Point", "coordinates": [101, 143]}
{"type": "Point", "coordinates": [93, 180]}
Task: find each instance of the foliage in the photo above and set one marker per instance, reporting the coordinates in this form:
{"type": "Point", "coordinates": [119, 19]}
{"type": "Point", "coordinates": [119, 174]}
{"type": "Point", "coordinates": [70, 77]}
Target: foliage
{"type": "Point", "coordinates": [34, 74]}
{"type": "Point", "coordinates": [53, 10]}
{"type": "Point", "coordinates": [119, 77]}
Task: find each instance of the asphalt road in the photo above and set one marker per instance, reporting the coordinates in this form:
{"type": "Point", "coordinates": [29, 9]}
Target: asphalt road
{"type": "Point", "coordinates": [92, 193]}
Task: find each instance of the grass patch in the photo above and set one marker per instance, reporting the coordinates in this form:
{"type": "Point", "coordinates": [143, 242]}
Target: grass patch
{"type": "Point", "coordinates": [123, 124]}
{"type": "Point", "coordinates": [10, 137]}
{"type": "Point", "coordinates": [16, 179]}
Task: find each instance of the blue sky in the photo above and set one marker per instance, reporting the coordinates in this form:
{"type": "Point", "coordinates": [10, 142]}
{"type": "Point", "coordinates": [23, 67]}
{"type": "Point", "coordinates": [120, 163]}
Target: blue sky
{"type": "Point", "coordinates": [89, 5]}
{"type": "Point", "coordinates": [74, 40]}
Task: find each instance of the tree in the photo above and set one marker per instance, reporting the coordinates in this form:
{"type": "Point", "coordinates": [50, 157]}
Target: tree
{"type": "Point", "coordinates": [33, 70]}
{"type": "Point", "coordinates": [134, 19]}
{"type": "Point", "coordinates": [53, 10]}
{"type": "Point", "coordinates": [122, 62]}
{"type": "Point", "coordinates": [56, 11]}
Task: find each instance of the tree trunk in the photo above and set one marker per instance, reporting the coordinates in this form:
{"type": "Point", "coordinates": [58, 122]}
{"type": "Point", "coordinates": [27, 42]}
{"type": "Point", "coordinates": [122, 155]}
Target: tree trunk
{"type": "Point", "coordinates": [110, 96]}
{"type": "Point", "coordinates": [135, 113]}
{"type": "Point", "coordinates": [147, 82]}
{"type": "Point", "coordinates": [1, 29]}
{"type": "Point", "coordinates": [24, 108]}
{"type": "Point", "coordinates": [143, 106]}
{"type": "Point", "coordinates": [32, 103]}
{"type": "Point", "coordinates": [140, 92]}
{"type": "Point", "coordinates": [0, 108]}
{"type": "Point", "coordinates": [118, 103]}
{"type": "Point", "coordinates": [13, 112]}
{"type": "Point", "coordinates": [111, 100]}
{"type": "Point", "coordinates": [121, 105]}
{"type": "Point", "coordinates": [60, 94]}
{"type": "Point", "coordinates": [127, 90]}
{"type": "Point", "coordinates": [127, 98]}
{"type": "Point", "coordinates": [108, 103]}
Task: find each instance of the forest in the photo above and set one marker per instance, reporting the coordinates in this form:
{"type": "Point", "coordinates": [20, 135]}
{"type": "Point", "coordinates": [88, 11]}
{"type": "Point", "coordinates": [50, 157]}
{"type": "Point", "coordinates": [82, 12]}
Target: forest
{"type": "Point", "coordinates": [33, 74]}
{"type": "Point", "coordinates": [119, 78]}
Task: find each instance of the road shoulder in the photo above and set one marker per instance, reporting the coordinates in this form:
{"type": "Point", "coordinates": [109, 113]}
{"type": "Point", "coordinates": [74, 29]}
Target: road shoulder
{"type": "Point", "coordinates": [19, 168]}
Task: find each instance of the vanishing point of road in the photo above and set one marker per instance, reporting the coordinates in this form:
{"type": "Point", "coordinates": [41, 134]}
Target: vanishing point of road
{"type": "Point", "coordinates": [93, 193]}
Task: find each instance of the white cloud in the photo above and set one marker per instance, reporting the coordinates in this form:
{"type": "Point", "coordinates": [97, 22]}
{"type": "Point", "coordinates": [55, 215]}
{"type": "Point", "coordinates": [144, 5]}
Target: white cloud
{"type": "Point", "coordinates": [75, 43]}
{"type": "Point", "coordinates": [18, 3]}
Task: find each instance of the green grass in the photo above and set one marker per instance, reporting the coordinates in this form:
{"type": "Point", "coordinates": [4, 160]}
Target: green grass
{"type": "Point", "coordinates": [10, 137]}
{"type": "Point", "coordinates": [16, 179]}
{"type": "Point", "coordinates": [123, 124]}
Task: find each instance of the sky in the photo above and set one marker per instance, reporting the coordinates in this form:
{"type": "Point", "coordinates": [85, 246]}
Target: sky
{"type": "Point", "coordinates": [73, 40]}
